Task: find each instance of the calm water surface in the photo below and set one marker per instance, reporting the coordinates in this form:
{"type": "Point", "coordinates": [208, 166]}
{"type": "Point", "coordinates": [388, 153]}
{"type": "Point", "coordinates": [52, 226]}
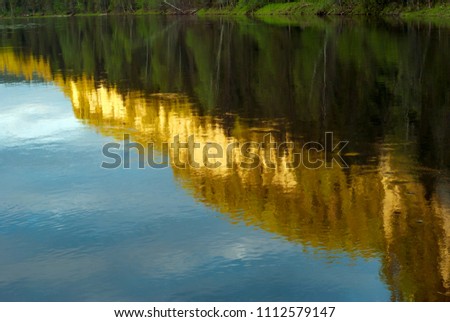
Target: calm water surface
{"type": "Point", "coordinates": [378, 230]}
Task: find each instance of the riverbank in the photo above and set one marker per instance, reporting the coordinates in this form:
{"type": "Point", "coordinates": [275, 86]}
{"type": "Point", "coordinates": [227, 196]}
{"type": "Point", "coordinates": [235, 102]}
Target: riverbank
{"type": "Point", "coordinates": [329, 7]}
{"type": "Point", "coordinates": [297, 8]}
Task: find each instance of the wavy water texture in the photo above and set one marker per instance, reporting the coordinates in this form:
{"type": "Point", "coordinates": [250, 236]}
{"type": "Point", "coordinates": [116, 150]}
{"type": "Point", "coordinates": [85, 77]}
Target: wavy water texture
{"type": "Point", "coordinates": [377, 208]}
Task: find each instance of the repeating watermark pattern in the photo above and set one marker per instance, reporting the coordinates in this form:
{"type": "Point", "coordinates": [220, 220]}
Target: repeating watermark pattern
{"type": "Point", "coordinates": [213, 155]}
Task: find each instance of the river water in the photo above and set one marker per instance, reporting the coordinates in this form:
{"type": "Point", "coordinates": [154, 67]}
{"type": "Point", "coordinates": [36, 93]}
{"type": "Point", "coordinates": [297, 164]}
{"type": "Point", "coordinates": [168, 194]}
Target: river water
{"type": "Point", "coordinates": [370, 223]}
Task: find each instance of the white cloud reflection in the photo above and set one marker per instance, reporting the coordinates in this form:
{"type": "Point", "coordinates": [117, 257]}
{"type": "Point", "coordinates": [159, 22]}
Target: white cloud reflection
{"type": "Point", "coordinates": [37, 114]}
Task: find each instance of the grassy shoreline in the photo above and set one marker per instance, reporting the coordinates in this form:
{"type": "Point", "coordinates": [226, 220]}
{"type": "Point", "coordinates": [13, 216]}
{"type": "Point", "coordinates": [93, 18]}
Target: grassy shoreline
{"type": "Point", "coordinates": [328, 8]}
{"type": "Point", "coordinates": [297, 8]}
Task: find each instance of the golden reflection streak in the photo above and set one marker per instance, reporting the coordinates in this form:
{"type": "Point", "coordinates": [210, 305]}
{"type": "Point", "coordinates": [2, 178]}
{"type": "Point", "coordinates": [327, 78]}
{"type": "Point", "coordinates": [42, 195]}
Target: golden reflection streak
{"type": "Point", "coordinates": [365, 211]}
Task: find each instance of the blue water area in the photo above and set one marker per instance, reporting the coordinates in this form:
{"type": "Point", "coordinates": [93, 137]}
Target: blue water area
{"type": "Point", "coordinates": [72, 231]}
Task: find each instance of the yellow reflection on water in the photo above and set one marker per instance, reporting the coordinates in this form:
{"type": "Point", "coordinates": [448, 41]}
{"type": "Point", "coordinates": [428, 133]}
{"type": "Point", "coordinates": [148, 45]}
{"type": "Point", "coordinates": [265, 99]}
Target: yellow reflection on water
{"type": "Point", "coordinates": [380, 210]}
{"type": "Point", "coordinates": [26, 66]}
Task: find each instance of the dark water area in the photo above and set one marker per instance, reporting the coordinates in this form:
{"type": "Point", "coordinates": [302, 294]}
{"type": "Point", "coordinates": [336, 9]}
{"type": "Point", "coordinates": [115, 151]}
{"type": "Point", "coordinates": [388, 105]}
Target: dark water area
{"type": "Point", "coordinates": [372, 224]}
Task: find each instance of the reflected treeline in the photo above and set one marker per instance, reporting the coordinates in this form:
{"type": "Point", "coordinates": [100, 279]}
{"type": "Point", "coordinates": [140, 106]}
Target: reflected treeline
{"type": "Point", "coordinates": [364, 81]}
{"type": "Point", "coordinates": [383, 87]}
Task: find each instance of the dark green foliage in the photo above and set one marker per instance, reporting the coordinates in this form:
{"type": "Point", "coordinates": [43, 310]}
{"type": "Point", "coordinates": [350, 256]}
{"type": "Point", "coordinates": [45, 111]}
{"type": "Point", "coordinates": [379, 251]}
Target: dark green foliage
{"type": "Point", "coordinates": [375, 6]}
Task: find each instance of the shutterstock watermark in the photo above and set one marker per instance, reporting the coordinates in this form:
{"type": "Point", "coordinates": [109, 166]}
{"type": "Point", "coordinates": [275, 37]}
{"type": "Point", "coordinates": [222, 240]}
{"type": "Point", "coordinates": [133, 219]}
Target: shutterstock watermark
{"type": "Point", "coordinates": [213, 155]}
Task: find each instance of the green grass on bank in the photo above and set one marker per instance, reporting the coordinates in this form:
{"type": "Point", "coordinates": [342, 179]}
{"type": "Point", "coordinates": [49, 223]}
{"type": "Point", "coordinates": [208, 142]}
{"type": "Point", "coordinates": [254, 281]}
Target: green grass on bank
{"type": "Point", "coordinates": [308, 7]}
{"type": "Point", "coordinates": [304, 7]}
{"type": "Point", "coordinates": [436, 11]}
{"type": "Point", "coordinates": [293, 8]}
{"type": "Point", "coordinates": [224, 11]}
{"type": "Point", "coordinates": [330, 7]}
{"type": "Point", "coordinates": [327, 7]}
{"type": "Point", "coordinates": [438, 16]}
